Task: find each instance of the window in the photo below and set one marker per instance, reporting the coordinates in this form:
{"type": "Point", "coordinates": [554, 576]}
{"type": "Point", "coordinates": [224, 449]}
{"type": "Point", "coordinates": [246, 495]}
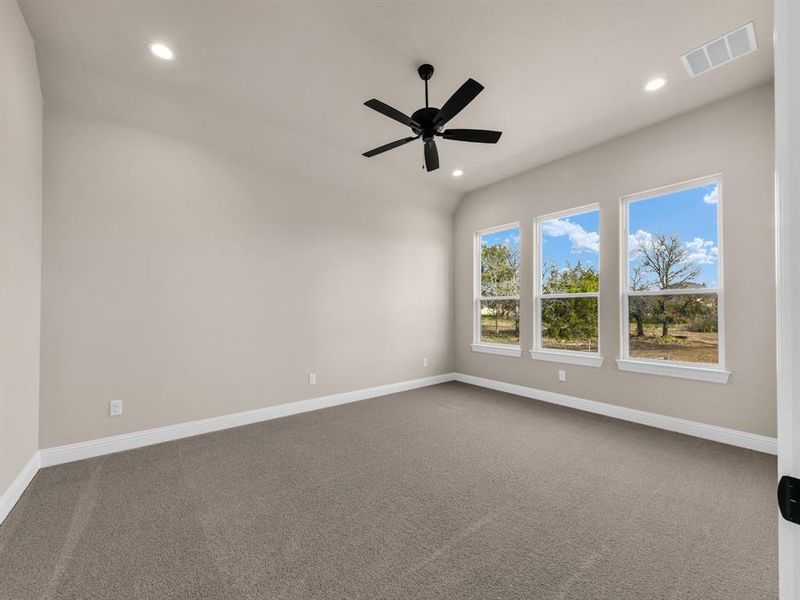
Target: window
{"type": "Point", "coordinates": [497, 290]}
{"type": "Point", "coordinates": [672, 282]}
{"type": "Point", "coordinates": [567, 287]}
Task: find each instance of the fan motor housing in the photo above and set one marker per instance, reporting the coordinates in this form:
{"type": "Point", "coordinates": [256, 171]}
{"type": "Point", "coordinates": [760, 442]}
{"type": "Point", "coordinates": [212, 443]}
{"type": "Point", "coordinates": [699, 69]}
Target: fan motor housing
{"type": "Point", "coordinates": [425, 117]}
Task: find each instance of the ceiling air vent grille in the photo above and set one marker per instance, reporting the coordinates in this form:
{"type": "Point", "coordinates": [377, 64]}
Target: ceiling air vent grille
{"type": "Point", "coordinates": [724, 49]}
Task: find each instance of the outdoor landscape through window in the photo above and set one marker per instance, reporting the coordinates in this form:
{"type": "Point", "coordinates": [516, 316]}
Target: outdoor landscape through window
{"type": "Point", "coordinates": [673, 288]}
{"type": "Point", "coordinates": [498, 305]}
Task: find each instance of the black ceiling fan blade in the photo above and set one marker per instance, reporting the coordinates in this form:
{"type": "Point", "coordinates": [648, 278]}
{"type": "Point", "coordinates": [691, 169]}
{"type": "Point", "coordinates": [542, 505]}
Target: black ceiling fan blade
{"type": "Point", "coordinates": [481, 136]}
{"type": "Point", "coordinates": [389, 146]}
{"type": "Point", "coordinates": [431, 156]}
{"type": "Point", "coordinates": [463, 96]}
{"type": "Point", "coordinates": [392, 113]}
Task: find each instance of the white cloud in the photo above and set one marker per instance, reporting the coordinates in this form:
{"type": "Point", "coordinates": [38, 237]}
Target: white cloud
{"type": "Point", "coordinates": [712, 197]}
{"type": "Point", "coordinates": [702, 251]}
{"type": "Point", "coordinates": [636, 241]}
{"type": "Point", "coordinates": [580, 239]}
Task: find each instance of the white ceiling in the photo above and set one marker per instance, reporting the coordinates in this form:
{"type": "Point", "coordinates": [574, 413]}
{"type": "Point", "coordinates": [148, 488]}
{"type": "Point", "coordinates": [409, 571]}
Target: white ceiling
{"type": "Point", "coordinates": [284, 82]}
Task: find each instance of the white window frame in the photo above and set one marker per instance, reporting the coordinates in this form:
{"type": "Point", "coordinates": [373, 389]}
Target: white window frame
{"type": "Point", "coordinates": [714, 373]}
{"type": "Point", "coordinates": [478, 345]}
{"type": "Point", "coordinates": [574, 357]}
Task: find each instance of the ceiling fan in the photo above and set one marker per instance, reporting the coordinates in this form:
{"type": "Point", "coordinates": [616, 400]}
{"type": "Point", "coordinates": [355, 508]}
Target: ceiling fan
{"type": "Point", "coordinates": [428, 122]}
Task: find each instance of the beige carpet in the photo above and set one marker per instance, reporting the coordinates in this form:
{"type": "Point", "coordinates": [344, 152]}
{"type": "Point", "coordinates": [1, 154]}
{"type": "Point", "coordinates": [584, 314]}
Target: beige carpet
{"type": "Point", "coordinates": [448, 492]}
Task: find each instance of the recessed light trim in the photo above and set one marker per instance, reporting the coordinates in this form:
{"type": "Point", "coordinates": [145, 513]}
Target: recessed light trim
{"type": "Point", "coordinates": [162, 51]}
{"type": "Point", "coordinates": [655, 84]}
{"type": "Point", "coordinates": [458, 173]}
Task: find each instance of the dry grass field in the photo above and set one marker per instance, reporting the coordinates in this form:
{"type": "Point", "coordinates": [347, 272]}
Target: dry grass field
{"type": "Point", "coordinates": [582, 345]}
{"type": "Point", "coordinates": [681, 345]}
{"type": "Point", "coordinates": [502, 332]}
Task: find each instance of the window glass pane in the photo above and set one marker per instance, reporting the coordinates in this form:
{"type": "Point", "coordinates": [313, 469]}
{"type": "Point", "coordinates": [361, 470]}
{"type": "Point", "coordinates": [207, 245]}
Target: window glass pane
{"type": "Point", "coordinates": [500, 263]}
{"type": "Point", "coordinates": [672, 240]}
{"type": "Point", "coordinates": [570, 247]}
{"type": "Point", "coordinates": [571, 279]}
{"type": "Point", "coordinates": [569, 324]}
{"type": "Point", "coordinates": [683, 328]}
{"type": "Point", "coordinates": [500, 321]}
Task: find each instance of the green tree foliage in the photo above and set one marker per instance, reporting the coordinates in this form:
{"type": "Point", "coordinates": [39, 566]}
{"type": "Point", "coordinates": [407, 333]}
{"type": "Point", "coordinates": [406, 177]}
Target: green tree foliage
{"type": "Point", "coordinates": [570, 319]}
{"type": "Point", "coordinates": [569, 280]}
{"type": "Point", "coordinates": [500, 277]}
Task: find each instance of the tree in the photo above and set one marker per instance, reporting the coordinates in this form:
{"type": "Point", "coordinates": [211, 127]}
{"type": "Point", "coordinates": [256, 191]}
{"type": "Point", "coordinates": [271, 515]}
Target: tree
{"type": "Point", "coordinates": [499, 270]}
{"type": "Point", "coordinates": [569, 280]}
{"type": "Point", "coordinates": [569, 319]}
{"type": "Point", "coordinates": [667, 259]}
{"type": "Point", "coordinates": [638, 309]}
{"type": "Point", "coordinates": [500, 265]}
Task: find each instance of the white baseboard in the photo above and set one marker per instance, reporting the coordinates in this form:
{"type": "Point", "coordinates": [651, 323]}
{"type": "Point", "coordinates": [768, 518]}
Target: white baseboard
{"type": "Point", "coordinates": [19, 485]}
{"type": "Point", "coordinates": [127, 441]}
{"type": "Point", "coordinates": [709, 432]}
{"type": "Point", "coordinates": [118, 443]}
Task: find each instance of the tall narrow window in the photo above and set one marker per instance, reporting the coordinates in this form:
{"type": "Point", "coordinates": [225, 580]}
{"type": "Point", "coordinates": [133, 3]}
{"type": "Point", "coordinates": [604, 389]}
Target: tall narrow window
{"type": "Point", "coordinates": [567, 287]}
{"type": "Point", "coordinates": [672, 281]}
{"type": "Point", "coordinates": [497, 290]}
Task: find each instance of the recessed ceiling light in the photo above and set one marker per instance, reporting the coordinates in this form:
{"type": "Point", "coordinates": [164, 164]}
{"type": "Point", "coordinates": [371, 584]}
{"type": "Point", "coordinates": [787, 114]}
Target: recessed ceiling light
{"type": "Point", "coordinates": [655, 84]}
{"type": "Point", "coordinates": [161, 51]}
{"type": "Point", "coordinates": [458, 173]}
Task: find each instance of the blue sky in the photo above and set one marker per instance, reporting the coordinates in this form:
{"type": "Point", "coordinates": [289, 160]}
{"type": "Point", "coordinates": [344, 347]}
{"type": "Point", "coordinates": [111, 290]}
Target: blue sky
{"type": "Point", "coordinates": [570, 239]}
{"type": "Point", "coordinates": [691, 215]}
{"type": "Point", "coordinates": [498, 238]}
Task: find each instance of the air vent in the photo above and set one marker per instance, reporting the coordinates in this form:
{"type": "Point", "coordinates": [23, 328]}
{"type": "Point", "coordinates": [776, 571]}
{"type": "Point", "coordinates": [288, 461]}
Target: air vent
{"type": "Point", "coordinates": [724, 49]}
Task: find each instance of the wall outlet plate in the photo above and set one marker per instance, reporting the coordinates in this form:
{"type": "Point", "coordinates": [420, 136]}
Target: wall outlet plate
{"type": "Point", "coordinates": [562, 375]}
{"type": "Point", "coordinates": [312, 379]}
{"type": "Point", "coordinates": [115, 408]}
{"type": "Point", "coordinates": [424, 362]}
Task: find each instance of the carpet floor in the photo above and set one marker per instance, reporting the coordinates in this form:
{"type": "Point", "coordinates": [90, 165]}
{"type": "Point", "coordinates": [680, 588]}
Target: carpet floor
{"type": "Point", "coordinates": [446, 492]}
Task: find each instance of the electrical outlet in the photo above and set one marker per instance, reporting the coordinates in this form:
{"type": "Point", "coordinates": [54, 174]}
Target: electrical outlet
{"type": "Point", "coordinates": [115, 408]}
{"type": "Point", "coordinates": [312, 379]}
{"type": "Point", "coordinates": [424, 362]}
{"type": "Point", "coordinates": [562, 375]}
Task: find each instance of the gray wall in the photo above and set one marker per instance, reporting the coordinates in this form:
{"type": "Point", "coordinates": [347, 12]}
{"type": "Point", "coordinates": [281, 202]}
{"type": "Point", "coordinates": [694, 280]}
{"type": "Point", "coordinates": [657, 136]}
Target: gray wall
{"type": "Point", "coordinates": [20, 243]}
{"type": "Point", "coordinates": [734, 137]}
{"type": "Point", "coordinates": [190, 284]}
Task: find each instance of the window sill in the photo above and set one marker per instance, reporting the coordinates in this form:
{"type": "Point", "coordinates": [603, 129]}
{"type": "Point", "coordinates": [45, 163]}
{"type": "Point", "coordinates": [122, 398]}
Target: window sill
{"type": "Point", "coordinates": [497, 349]}
{"type": "Point", "coordinates": [709, 374]}
{"type": "Point", "coordinates": [586, 359]}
